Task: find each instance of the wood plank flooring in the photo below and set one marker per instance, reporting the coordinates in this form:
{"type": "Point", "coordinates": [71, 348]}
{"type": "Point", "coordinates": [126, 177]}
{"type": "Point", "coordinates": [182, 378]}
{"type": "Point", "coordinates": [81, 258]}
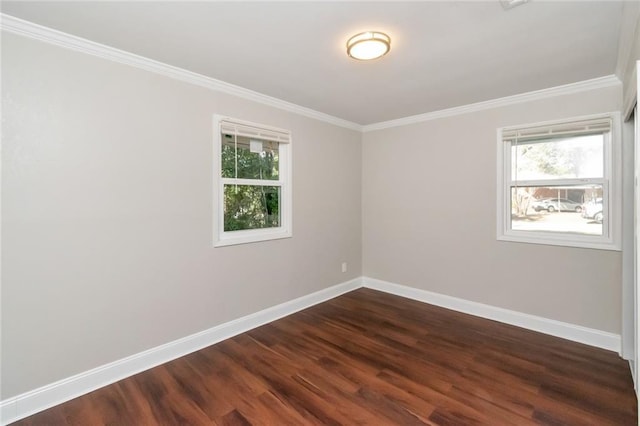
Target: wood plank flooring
{"type": "Point", "coordinates": [376, 359]}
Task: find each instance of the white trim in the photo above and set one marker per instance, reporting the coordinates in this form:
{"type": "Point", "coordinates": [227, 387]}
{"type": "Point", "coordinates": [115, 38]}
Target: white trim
{"type": "Point", "coordinates": [632, 100]}
{"type": "Point", "coordinates": [58, 38]}
{"type": "Point", "coordinates": [29, 403]}
{"type": "Point", "coordinates": [576, 333]}
{"type": "Point", "coordinates": [567, 89]}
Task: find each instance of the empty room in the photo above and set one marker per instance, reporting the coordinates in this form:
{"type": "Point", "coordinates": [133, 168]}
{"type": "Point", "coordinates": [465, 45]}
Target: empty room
{"type": "Point", "coordinates": [310, 213]}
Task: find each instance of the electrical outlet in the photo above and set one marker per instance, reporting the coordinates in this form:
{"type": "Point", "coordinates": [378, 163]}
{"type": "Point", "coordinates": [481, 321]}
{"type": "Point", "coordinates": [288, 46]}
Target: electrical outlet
{"type": "Point", "coordinates": [344, 266]}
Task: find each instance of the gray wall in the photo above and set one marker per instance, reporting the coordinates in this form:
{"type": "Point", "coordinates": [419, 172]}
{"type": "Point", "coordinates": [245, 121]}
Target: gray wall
{"type": "Point", "coordinates": [631, 23]}
{"type": "Point", "coordinates": [429, 218]}
{"type": "Point", "coordinates": [107, 214]}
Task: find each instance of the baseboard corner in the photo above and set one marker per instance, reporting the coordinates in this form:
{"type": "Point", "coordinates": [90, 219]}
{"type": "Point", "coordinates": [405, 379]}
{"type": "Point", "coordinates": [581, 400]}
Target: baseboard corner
{"type": "Point", "coordinates": [31, 402]}
{"type": "Point", "coordinates": [568, 331]}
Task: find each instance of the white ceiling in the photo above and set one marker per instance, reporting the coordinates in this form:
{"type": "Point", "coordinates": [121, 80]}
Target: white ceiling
{"type": "Point", "coordinates": [443, 54]}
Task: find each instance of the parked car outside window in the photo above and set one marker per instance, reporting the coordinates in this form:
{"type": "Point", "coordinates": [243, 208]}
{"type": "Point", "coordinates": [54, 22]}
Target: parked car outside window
{"type": "Point", "coordinates": [557, 204]}
{"type": "Point", "coordinates": [593, 210]}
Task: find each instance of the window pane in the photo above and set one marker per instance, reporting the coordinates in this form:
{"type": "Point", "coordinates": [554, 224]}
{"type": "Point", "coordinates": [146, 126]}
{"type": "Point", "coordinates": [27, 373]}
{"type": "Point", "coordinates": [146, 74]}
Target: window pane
{"type": "Point", "coordinates": [256, 159]}
{"type": "Point", "coordinates": [573, 209]}
{"type": "Point", "coordinates": [574, 157]}
{"type": "Point", "coordinates": [251, 207]}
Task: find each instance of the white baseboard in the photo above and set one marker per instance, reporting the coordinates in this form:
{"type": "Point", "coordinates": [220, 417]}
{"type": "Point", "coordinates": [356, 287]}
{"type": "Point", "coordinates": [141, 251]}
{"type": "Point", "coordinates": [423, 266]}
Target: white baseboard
{"type": "Point", "coordinates": [31, 402]}
{"type": "Point", "coordinates": [576, 333]}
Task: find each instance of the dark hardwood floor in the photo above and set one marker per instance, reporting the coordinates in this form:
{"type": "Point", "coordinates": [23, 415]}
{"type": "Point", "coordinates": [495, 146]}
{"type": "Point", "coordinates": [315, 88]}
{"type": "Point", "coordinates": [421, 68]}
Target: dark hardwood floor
{"type": "Point", "coordinates": [370, 358]}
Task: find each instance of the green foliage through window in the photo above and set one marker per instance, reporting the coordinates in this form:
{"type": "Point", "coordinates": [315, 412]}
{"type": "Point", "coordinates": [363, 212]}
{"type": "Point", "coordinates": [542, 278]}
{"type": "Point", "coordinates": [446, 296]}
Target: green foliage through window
{"type": "Point", "coordinates": [249, 206]}
{"type": "Point", "coordinates": [262, 165]}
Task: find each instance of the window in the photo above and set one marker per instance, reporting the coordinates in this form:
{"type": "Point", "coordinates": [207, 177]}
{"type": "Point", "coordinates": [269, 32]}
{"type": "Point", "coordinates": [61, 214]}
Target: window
{"type": "Point", "coordinates": [253, 182]}
{"type": "Point", "coordinates": [559, 183]}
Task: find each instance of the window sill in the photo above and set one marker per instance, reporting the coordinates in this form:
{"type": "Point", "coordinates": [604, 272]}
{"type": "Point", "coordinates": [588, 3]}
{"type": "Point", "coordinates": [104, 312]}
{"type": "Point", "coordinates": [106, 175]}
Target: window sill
{"type": "Point", "coordinates": [251, 236]}
{"type": "Point", "coordinates": [561, 240]}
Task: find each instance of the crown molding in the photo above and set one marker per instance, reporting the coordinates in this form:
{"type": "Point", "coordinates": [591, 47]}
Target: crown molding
{"type": "Point", "coordinates": [31, 30]}
{"type": "Point", "coordinates": [581, 86]}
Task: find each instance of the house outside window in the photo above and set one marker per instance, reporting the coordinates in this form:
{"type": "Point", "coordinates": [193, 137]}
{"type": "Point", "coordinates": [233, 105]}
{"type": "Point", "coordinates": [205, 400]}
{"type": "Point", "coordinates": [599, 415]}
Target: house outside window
{"type": "Point", "coordinates": [559, 183]}
{"type": "Point", "coordinates": [252, 182]}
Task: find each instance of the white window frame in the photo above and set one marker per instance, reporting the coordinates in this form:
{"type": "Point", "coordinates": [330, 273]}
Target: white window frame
{"type": "Point", "coordinates": [223, 238]}
{"type": "Point", "coordinates": [611, 181]}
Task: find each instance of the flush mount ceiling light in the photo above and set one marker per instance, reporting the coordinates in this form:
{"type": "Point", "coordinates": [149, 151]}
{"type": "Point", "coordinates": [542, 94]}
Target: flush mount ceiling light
{"type": "Point", "coordinates": [368, 45]}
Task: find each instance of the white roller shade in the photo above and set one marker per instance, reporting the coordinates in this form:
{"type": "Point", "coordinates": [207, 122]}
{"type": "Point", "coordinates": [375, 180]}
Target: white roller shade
{"type": "Point", "coordinates": [563, 130]}
{"type": "Point", "coordinates": [237, 128]}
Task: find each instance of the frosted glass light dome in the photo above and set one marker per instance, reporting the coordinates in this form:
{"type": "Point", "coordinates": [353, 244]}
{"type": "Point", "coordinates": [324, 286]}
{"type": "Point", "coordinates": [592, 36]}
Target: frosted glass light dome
{"type": "Point", "coordinates": [368, 45]}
